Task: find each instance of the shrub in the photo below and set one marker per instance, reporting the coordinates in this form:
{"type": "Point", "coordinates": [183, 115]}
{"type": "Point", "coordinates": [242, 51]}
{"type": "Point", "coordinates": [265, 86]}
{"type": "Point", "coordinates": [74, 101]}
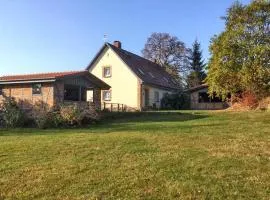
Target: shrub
{"type": "Point", "coordinates": [76, 114]}
{"type": "Point", "coordinates": [1, 118]}
{"type": "Point", "coordinates": [11, 114]}
{"type": "Point", "coordinates": [42, 116]}
{"type": "Point", "coordinates": [264, 104]}
{"type": "Point", "coordinates": [245, 101]}
{"type": "Point", "coordinates": [249, 100]}
{"type": "Point", "coordinates": [175, 101]}
{"type": "Point", "coordinates": [39, 114]}
{"type": "Point", "coordinates": [46, 117]}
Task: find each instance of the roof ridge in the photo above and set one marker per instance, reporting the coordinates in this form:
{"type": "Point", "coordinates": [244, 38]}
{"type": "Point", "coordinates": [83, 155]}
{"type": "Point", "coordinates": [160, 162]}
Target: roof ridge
{"type": "Point", "coordinates": [141, 57]}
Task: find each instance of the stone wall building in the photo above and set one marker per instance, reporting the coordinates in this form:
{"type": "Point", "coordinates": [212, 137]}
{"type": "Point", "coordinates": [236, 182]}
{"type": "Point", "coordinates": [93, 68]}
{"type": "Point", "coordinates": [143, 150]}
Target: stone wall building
{"type": "Point", "coordinates": [52, 88]}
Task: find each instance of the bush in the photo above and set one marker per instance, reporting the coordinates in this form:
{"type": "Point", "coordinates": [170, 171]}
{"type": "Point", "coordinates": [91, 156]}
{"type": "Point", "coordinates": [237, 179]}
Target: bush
{"type": "Point", "coordinates": [245, 101]}
{"type": "Point", "coordinates": [42, 116]}
{"type": "Point", "coordinates": [175, 101]}
{"type": "Point", "coordinates": [1, 118]}
{"type": "Point", "coordinates": [45, 117]}
{"type": "Point", "coordinates": [11, 114]}
{"type": "Point", "coordinates": [264, 104]}
{"type": "Point", "coordinates": [78, 114]}
{"type": "Point", "coordinates": [249, 100]}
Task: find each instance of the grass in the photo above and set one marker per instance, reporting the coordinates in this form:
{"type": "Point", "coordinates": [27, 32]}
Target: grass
{"type": "Point", "coordinates": [175, 155]}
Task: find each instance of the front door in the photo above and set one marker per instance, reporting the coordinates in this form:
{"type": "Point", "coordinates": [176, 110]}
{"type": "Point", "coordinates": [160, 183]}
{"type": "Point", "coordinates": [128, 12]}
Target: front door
{"type": "Point", "coordinates": [146, 97]}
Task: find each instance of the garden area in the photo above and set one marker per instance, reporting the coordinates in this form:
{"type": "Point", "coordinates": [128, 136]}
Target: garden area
{"type": "Point", "coordinates": [148, 155]}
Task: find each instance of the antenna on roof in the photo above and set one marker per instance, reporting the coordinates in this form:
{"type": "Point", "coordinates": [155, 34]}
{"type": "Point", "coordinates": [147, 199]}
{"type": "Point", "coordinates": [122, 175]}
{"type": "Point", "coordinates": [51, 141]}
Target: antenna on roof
{"type": "Point", "coordinates": [105, 38]}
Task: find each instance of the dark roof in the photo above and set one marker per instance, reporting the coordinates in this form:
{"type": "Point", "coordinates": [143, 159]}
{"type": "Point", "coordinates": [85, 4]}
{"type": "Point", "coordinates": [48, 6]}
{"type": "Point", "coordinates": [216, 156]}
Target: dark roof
{"type": "Point", "coordinates": [149, 72]}
{"type": "Point", "coordinates": [198, 87]}
{"type": "Point", "coordinates": [53, 76]}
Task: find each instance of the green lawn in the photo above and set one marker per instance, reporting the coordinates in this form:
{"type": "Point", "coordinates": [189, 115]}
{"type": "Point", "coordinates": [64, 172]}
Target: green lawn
{"type": "Point", "coordinates": [177, 155]}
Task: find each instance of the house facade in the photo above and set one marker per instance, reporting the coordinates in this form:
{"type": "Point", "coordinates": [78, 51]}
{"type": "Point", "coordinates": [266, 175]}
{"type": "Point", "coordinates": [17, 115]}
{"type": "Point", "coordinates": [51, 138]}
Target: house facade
{"type": "Point", "coordinates": [52, 88]}
{"type": "Point", "coordinates": [135, 82]}
{"type": "Point", "coordinates": [200, 99]}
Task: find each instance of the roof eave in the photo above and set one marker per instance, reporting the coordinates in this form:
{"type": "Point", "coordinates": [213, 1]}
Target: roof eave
{"type": "Point", "coordinates": [6, 82]}
{"type": "Point", "coordinates": [200, 87]}
{"type": "Point", "coordinates": [160, 86]}
{"type": "Point", "coordinates": [96, 57]}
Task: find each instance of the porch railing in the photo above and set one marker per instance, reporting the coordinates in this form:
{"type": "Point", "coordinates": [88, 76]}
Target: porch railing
{"type": "Point", "coordinates": [114, 107]}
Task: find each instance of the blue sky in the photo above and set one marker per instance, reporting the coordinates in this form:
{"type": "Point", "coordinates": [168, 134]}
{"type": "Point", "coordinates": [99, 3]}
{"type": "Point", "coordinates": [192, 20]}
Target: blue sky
{"type": "Point", "coordinates": [63, 35]}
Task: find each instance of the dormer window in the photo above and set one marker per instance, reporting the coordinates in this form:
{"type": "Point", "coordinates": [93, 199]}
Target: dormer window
{"type": "Point", "coordinates": [1, 91]}
{"type": "Point", "coordinates": [166, 79]}
{"type": "Point", "coordinates": [107, 72]}
{"type": "Point", "coordinates": [151, 74]}
{"type": "Point", "coordinates": [141, 71]}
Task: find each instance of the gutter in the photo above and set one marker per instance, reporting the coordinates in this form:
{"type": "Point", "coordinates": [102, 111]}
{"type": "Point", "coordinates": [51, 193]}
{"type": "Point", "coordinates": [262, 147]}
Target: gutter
{"type": "Point", "coordinates": [27, 81]}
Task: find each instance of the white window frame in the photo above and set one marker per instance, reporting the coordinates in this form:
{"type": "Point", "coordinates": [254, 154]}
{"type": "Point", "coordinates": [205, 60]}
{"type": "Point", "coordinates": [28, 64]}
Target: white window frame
{"type": "Point", "coordinates": [151, 74]}
{"type": "Point", "coordinates": [110, 71]}
{"type": "Point", "coordinates": [165, 78]}
{"type": "Point", "coordinates": [141, 71]}
{"type": "Point", "coordinates": [104, 95]}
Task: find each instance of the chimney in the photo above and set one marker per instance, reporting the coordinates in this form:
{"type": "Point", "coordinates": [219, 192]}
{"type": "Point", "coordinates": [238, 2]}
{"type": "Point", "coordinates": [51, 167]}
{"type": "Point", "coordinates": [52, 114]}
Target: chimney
{"type": "Point", "coordinates": [117, 44]}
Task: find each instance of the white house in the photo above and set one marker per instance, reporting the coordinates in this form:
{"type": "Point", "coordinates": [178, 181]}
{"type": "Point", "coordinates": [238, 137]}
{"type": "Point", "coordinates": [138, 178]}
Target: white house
{"type": "Point", "coordinates": [136, 82]}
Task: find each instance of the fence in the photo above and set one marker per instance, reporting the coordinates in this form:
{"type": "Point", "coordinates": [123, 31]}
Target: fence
{"type": "Point", "coordinates": [208, 105]}
{"type": "Point", "coordinates": [114, 107]}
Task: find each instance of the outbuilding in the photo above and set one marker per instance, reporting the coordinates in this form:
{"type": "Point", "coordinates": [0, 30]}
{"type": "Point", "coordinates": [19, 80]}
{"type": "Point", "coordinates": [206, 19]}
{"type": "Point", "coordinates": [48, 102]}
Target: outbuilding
{"type": "Point", "coordinates": [53, 88]}
{"type": "Point", "coordinates": [201, 100]}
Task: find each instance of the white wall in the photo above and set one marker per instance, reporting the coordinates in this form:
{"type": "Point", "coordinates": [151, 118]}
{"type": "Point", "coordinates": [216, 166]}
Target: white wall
{"type": "Point", "coordinates": [123, 82]}
{"type": "Point", "coordinates": [152, 99]}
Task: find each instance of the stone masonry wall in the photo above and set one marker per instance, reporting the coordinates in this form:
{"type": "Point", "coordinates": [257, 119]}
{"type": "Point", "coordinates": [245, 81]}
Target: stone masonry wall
{"type": "Point", "coordinates": [23, 94]}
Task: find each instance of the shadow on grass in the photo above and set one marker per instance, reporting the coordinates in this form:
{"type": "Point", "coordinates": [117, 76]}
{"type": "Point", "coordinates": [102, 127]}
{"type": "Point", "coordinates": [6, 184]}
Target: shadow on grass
{"type": "Point", "coordinates": [119, 122]}
{"type": "Point", "coordinates": [154, 116]}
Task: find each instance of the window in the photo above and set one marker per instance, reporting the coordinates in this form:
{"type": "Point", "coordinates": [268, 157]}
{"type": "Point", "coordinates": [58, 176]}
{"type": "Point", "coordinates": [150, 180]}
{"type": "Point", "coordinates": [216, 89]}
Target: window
{"type": "Point", "coordinates": [174, 81]}
{"type": "Point", "coordinates": [166, 79]}
{"type": "Point", "coordinates": [1, 91]}
{"type": "Point", "coordinates": [151, 74]}
{"type": "Point", "coordinates": [205, 98]}
{"type": "Point", "coordinates": [107, 72]}
{"type": "Point", "coordinates": [141, 71]}
{"type": "Point", "coordinates": [74, 93]}
{"type": "Point", "coordinates": [36, 89]}
{"type": "Point", "coordinates": [165, 94]}
{"type": "Point", "coordinates": [71, 93]}
{"type": "Point", "coordinates": [107, 95]}
{"type": "Point", "coordinates": [90, 96]}
{"type": "Point", "coordinates": [156, 96]}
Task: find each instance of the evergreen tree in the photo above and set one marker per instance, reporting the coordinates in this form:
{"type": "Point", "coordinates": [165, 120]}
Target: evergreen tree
{"type": "Point", "coordinates": [197, 65]}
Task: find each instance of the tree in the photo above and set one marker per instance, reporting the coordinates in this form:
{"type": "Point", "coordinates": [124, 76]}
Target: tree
{"type": "Point", "coordinates": [240, 55]}
{"type": "Point", "coordinates": [197, 65]}
{"type": "Point", "coordinates": [167, 51]}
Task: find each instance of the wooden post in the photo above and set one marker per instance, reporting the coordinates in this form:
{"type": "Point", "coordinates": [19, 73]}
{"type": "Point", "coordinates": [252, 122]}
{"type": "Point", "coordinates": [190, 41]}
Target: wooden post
{"type": "Point", "coordinates": [104, 105]}
{"type": "Point", "coordinates": [118, 107]}
{"type": "Point", "coordinates": [80, 94]}
{"type": "Point", "coordinates": [111, 107]}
